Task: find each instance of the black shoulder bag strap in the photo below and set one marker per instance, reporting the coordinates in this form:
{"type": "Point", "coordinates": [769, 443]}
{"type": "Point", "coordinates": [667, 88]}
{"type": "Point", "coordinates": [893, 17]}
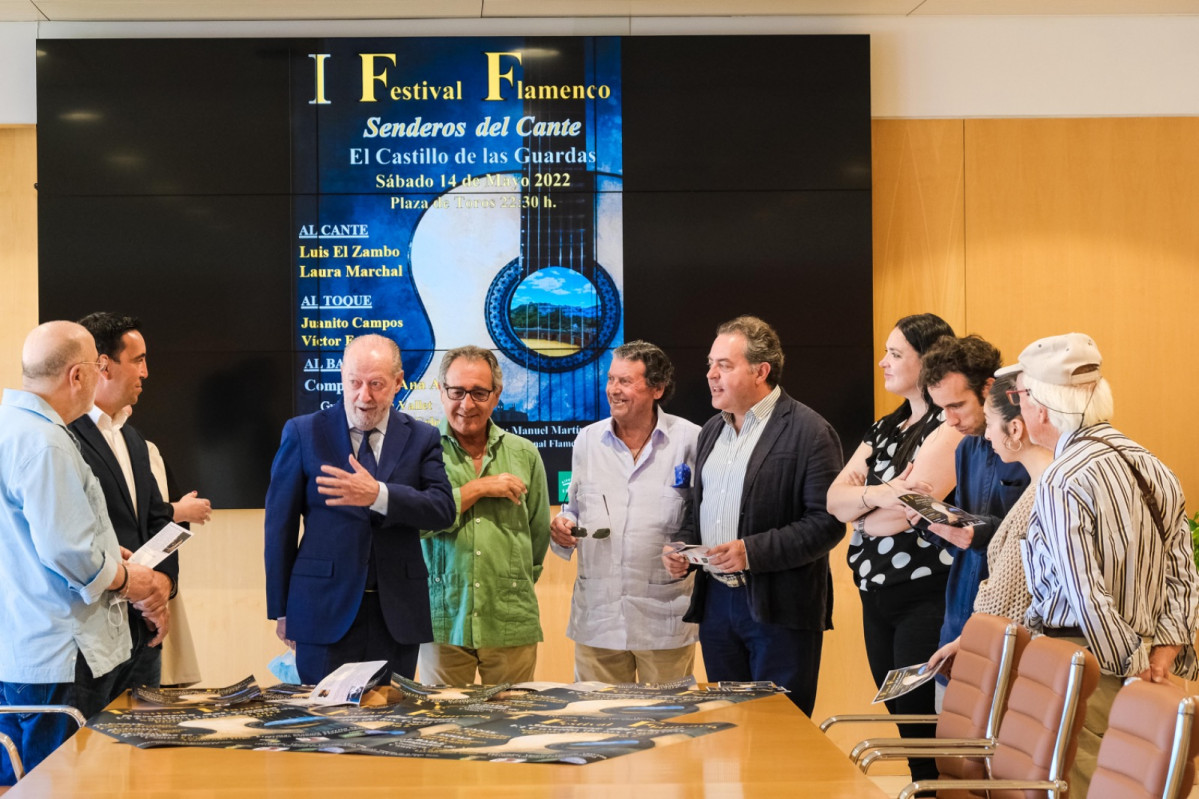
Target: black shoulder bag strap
{"type": "Point", "coordinates": [1150, 501]}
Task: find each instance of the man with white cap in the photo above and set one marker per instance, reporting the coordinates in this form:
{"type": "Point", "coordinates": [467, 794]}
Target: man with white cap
{"type": "Point", "coordinates": [1108, 553]}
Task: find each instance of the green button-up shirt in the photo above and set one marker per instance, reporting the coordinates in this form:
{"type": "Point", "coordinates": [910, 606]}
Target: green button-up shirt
{"type": "Point", "coordinates": [482, 568]}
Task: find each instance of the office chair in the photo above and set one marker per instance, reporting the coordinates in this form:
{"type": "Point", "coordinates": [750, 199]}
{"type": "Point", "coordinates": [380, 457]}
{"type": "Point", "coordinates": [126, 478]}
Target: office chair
{"type": "Point", "coordinates": [1149, 749]}
{"type": "Point", "coordinates": [1038, 736]}
{"type": "Point", "coordinates": [974, 700]}
{"type": "Point", "coordinates": [11, 748]}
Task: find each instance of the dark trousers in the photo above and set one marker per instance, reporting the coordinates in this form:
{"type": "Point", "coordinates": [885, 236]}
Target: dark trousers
{"type": "Point", "coordinates": [735, 647]}
{"type": "Point", "coordinates": [144, 666]}
{"type": "Point", "coordinates": [902, 627]}
{"type": "Point", "coordinates": [36, 735]}
{"type": "Point", "coordinates": [367, 639]}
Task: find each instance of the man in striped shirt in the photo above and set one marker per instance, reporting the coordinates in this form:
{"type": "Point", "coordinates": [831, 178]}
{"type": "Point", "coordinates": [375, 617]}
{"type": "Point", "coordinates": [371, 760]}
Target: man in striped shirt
{"type": "Point", "coordinates": [1108, 553]}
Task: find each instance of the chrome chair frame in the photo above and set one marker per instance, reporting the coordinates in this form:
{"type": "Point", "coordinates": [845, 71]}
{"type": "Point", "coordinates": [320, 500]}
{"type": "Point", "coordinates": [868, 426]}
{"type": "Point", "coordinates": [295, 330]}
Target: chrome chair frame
{"type": "Point", "coordinates": [867, 752]}
{"type": "Point", "coordinates": [1055, 785]}
{"type": "Point", "coordinates": [10, 746]}
{"type": "Point", "coordinates": [1184, 728]}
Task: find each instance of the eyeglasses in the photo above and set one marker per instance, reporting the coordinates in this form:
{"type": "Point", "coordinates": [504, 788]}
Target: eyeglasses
{"type": "Point", "coordinates": [477, 394]}
{"type": "Point", "coordinates": [1013, 395]}
{"type": "Point", "coordinates": [96, 364]}
{"type": "Point", "coordinates": [601, 533]}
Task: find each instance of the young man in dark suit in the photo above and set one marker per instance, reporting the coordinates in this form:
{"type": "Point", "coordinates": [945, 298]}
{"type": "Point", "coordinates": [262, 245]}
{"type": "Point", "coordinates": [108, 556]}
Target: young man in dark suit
{"type": "Point", "coordinates": [355, 588]}
{"type": "Point", "coordinates": [118, 456]}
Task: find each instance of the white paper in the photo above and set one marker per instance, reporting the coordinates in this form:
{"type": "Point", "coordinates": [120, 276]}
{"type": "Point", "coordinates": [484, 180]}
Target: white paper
{"type": "Point", "coordinates": [164, 542]}
{"type": "Point", "coordinates": [694, 553]}
{"type": "Point", "coordinates": [347, 684]}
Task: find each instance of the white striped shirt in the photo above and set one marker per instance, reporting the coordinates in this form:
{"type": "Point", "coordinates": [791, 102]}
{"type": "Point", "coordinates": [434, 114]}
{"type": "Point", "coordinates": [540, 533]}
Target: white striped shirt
{"type": "Point", "coordinates": [724, 472]}
{"type": "Point", "coordinates": [1095, 560]}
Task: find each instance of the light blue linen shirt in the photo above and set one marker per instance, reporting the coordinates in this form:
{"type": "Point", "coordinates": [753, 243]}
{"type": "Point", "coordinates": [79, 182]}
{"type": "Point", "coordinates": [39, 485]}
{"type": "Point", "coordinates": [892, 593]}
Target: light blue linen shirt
{"type": "Point", "coordinates": [59, 552]}
{"type": "Point", "coordinates": [624, 599]}
{"type": "Point", "coordinates": [724, 472]}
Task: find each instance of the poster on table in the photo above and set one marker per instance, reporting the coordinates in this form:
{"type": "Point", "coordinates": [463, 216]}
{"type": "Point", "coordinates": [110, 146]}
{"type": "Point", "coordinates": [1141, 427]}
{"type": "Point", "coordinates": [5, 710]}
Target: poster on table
{"type": "Point", "coordinates": [462, 191]}
{"type": "Point", "coordinates": [575, 724]}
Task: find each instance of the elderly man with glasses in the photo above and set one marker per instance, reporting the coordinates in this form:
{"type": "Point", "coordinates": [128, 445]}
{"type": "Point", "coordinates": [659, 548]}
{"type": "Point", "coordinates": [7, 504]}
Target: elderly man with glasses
{"type": "Point", "coordinates": [1108, 554]}
{"type": "Point", "coordinates": [483, 566]}
{"type": "Point", "coordinates": [65, 627]}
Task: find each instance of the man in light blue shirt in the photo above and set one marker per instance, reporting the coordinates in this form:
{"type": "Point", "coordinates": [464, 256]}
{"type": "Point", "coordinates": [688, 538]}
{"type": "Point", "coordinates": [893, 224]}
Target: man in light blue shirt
{"type": "Point", "coordinates": [62, 566]}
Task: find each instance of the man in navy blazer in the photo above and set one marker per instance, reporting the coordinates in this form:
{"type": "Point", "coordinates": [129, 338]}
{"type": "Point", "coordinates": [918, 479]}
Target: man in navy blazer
{"type": "Point", "coordinates": [763, 468]}
{"type": "Point", "coordinates": [118, 455]}
{"type": "Point", "coordinates": [355, 587]}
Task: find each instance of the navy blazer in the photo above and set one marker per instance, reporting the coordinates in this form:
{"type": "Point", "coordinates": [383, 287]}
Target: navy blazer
{"type": "Point", "coordinates": [317, 582]}
{"type": "Point", "coordinates": [153, 512]}
{"type": "Point", "coordinates": [784, 520]}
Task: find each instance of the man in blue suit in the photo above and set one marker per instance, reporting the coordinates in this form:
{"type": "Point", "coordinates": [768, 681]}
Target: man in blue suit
{"type": "Point", "coordinates": [355, 588]}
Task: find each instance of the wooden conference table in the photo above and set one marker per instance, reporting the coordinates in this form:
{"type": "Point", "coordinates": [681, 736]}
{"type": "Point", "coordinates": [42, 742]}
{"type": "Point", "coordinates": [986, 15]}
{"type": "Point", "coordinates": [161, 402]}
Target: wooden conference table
{"type": "Point", "coordinates": [774, 751]}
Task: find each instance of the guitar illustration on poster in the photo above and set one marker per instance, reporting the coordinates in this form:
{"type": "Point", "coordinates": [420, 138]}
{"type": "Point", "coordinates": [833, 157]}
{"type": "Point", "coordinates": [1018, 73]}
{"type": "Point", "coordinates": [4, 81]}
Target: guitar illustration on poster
{"type": "Point", "coordinates": [529, 262]}
{"type": "Point", "coordinates": [463, 191]}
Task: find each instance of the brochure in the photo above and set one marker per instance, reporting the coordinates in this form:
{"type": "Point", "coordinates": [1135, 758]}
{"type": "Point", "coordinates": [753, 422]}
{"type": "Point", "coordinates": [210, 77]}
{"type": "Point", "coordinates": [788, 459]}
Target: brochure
{"type": "Point", "coordinates": [900, 681]}
{"type": "Point", "coordinates": [938, 512]}
{"type": "Point", "coordinates": [694, 553]}
{"type": "Point", "coordinates": [346, 685]}
{"type": "Point", "coordinates": [164, 542]}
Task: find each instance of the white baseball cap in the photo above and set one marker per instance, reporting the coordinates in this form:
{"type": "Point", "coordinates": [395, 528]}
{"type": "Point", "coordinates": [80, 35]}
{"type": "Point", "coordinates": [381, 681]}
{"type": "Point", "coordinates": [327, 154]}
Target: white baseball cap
{"type": "Point", "coordinates": [1067, 360]}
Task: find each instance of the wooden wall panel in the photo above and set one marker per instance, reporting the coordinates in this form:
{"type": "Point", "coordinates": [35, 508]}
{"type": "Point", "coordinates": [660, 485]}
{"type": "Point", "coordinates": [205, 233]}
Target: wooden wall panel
{"type": "Point", "coordinates": [918, 263]}
{"type": "Point", "coordinates": [18, 246]}
{"type": "Point", "coordinates": [1091, 225]}
{"type": "Point", "coordinates": [918, 226]}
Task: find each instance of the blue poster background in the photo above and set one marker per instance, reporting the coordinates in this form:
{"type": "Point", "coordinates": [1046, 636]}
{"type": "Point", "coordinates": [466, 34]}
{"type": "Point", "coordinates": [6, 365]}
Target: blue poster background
{"type": "Point", "coordinates": [431, 207]}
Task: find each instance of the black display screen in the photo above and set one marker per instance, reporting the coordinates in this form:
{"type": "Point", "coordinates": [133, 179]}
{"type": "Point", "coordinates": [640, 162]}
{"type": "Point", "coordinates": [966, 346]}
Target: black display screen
{"type": "Point", "coordinates": [167, 189]}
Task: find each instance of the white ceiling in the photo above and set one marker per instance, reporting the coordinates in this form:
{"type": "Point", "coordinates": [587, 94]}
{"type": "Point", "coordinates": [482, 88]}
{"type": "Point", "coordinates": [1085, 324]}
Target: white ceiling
{"type": "Point", "coordinates": [212, 10]}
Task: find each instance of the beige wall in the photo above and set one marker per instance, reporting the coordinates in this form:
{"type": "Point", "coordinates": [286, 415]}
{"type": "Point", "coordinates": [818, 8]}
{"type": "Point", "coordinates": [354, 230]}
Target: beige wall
{"type": "Point", "coordinates": [1013, 229]}
{"type": "Point", "coordinates": [18, 246]}
{"type": "Point", "coordinates": [1020, 228]}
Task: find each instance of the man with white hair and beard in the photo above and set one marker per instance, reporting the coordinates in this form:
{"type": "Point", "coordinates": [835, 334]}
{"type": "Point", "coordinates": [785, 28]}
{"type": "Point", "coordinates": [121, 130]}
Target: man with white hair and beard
{"type": "Point", "coordinates": [365, 478]}
{"type": "Point", "coordinates": [1108, 554]}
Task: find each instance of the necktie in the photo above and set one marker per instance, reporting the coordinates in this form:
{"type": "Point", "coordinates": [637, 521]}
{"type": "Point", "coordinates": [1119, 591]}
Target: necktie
{"type": "Point", "coordinates": [366, 455]}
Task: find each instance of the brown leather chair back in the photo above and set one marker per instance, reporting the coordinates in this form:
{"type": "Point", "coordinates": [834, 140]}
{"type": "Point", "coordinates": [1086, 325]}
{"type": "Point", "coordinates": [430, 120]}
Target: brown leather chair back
{"type": "Point", "coordinates": [977, 692]}
{"type": "Point", "coordinates": [1039, 733]}
{"type": "Point", "coordinates": [1150, 745]}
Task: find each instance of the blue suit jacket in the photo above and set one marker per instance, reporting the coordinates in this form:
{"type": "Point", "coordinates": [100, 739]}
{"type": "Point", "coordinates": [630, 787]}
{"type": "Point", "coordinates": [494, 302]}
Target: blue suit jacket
{"type": "Point", "coordinates": [317, 583]}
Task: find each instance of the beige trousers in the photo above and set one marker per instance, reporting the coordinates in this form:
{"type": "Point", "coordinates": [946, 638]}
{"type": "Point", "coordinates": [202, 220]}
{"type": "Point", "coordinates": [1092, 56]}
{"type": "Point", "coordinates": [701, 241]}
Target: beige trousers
{"type": "Point", "coordinates": [639, 665]}
{"type": "Point", "coordinates": [445, 664]}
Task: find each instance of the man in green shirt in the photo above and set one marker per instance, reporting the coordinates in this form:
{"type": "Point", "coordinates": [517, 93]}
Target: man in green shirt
{"type": "Point", "coordinates": [483, 567]}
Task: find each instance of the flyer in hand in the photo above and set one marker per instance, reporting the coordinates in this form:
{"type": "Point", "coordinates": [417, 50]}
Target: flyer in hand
{"type": "Point", "coordinates": [694, 553]}
{"type": "Point", "coordinates": [936, 511]}
{"type": "Point", "coordinates": [158, 548]}
{"type": "Point", "coordinates": [900, 681]}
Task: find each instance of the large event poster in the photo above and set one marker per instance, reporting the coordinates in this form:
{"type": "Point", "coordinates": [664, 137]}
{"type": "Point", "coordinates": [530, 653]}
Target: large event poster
{"type": "Point", "coordinates": [462, 191]}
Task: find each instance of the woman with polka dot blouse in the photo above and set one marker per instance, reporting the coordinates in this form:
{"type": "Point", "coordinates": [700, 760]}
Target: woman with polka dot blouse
{"type": "Point", "coordinates": [900, 576]}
